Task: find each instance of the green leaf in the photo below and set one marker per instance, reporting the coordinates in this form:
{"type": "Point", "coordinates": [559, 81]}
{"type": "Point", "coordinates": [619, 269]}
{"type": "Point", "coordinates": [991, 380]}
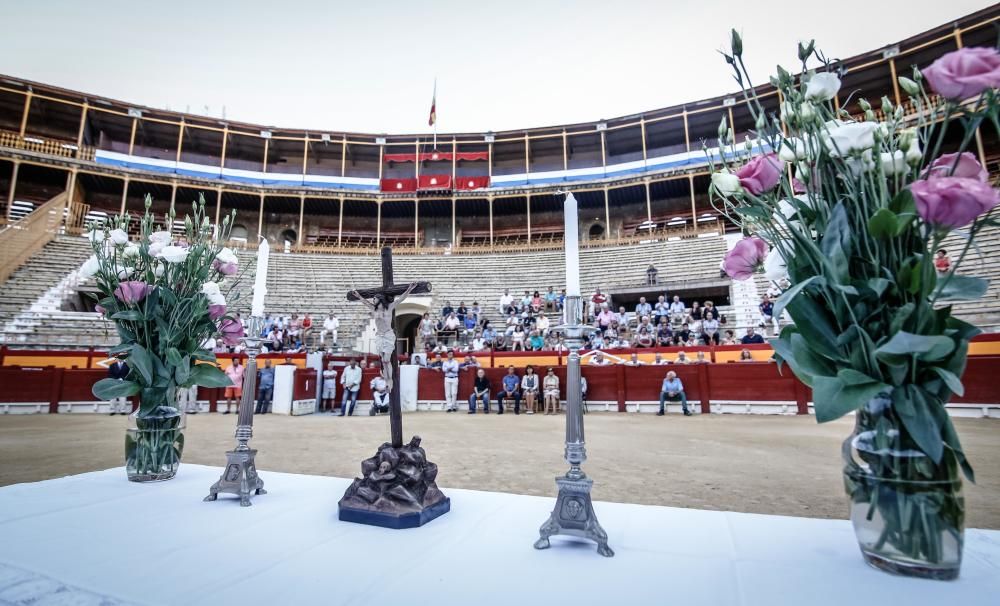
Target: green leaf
{"type": "Point", "coordinates": [878, 285]}
{"type": "Point", "coordinates": [782, 301]}
{"type": "Point", "coordinates": [121, 348]}
{"type": "Point", "coordinates": [836, 242]}
{"type": "Point", "coordinates": [108, 389]}
{"type": "Point", "coordinates": [950, 379]}
{"type": "Point", "coordinates": [919, 420]}
{"type": "Point", "coordinates": [853, 377]}
{"type": "Point", "coordinates": [140, 362]}
{"type": "Point", "coordinates": [182, 371]}
{"type": "Point", "coordinates": [834, 398]}
{"type": "Point", "coordinates": [173, 356]}
{"type": "Point", "coordinates": [882, 224]}
{"type": "Point", "coordinates": [203, 355]}
{"type": "Point", "coordinates": [960, 288]}
{"type": "Point", "coordinates": [929, 348]}
{"type": "Point", "coordinates": [129, 315]}
{"type": "Point", "coordinates": [207, 375]}
{"type": "Point", "coordinates": [813, 322]}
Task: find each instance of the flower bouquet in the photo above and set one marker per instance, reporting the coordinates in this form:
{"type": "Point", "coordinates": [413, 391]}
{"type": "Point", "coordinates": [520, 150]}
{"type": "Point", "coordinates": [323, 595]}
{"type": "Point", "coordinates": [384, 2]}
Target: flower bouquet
{"type": "Point", "coordinates": [163, 296]}
{"type": "Point", "coordinates": [845, 215]}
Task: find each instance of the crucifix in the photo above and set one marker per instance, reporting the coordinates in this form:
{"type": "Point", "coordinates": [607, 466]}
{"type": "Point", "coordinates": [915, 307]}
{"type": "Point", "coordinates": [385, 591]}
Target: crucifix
{"type": "Point", "coordinates": [383, 301]}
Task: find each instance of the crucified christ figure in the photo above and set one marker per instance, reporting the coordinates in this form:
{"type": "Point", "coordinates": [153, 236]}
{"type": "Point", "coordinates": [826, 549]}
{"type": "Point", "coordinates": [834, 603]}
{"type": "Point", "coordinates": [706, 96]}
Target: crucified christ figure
{"type": "Point", "coordinates": [385, 336]}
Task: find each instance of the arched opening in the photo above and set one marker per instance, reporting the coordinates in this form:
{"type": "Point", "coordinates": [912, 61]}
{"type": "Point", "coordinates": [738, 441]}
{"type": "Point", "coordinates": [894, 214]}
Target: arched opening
{"type": "Point", "coordinates": [239, 232]}
{"type": "Point", "coordinates": [406, 328]}
{"type": "Point", "coordinates": [596, 231]}
{"type": "Point", "coordinates": [289, 238]}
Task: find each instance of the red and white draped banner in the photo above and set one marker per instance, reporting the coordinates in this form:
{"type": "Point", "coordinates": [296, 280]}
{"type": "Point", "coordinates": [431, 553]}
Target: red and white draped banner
{"type": "Point", "coordinates": [426, 182]}
{"type": "Point", "coordinates": [438, 157]}
{"type": "Point", "coordinates": [399, 185]}
{"type": "Point", "coordinates": [472, 182]}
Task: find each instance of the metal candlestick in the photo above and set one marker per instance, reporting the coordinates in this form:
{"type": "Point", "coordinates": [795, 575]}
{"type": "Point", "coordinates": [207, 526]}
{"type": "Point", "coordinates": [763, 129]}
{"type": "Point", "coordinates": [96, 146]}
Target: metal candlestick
{"type": "Point", "coordinates": [240, 476]}
{"type": "Point", "coordinates": [574, 511]}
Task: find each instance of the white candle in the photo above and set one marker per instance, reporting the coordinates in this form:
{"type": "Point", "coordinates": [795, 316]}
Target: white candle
{"type": "Point", "coordinates": [572, 247]}
{"type": "Point", "coordinates": [260, 282]}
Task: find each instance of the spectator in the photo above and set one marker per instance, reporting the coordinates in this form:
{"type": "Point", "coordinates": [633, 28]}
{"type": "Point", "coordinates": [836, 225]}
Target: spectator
{"type": "Point", "coordinates": [461, 312]}
{"type": "Point", "coordinates": [447, 310]}
{"type": "Point", "coordinates": [729, 338]}
{"type": "Point", "coordinates": [526, 301]}
{"type": "Point", "coordinates": [746, 356]}
{"type": "Point", "coordinates": [682, 358]}
{"type": "Point", "coordinates": [351, 380]}
{"type": "Point", "coordinates": [551, 300]}
{"type": "Point", "coordinates": [275, 338]}
{"type": "Point", "coordinates": [478, 342]}
{"type": "Point", "coordinates": [451, 325]}
{"type": "Point", "coordinates": [118, 370]}
{"type": "Point", "coordinates": [551, 342]}
{"type": "Point", "coordinates": [380, 396]}
{"type": "Point", "coordinates": [650, 275]}
{"type": "Point", "coordinates": [694, 318]}
{"type": "Point", "coordinates": [677, 310]}
{"type": "Point", "coordinates": [480, 391]}
{"type": "Point", "coordinates": [542, 325]}
{"type": "Point", "coordinates": [660, 360]}
{"type": "Point", "coordinates": [941, 261]}
{"type": "Point", "coordinates": [467, 362]}
{"type": "Point", "coordinates": [560, 344]}
{"type": "Point", "coordinates": [751, 338]}
{"type": "Point", "coordinates": [265, 389]}
{"type": "Point", "coordinates": [450, 369]}
{"type": "Point", "coordinates": [767, 314]}
{"type": "Point", "coordinates": [307, 324]}
{"type": "Point", "coordinates": [436, 363]}
{"type": "Point", "coordinates": [294, 332]}
{"type": "Point", "coordinates": [489, 335]}
{"type": "Point", "coordinates": [700, 358]}
{"type": "Point", "coordinates": [506, 302]}
{"type": "Point", "coordinates": [599, 360]}
{"type": "Point", "coordinates": [583, 392]}
{"type": "Point", "coordinates": [710, 307]}
{"type": "Point", "coordinates": [562, 299]}
{"type": "Point", "coordinates": [550, 391]}
{"type": "Point", "coordinates": [426, 331]}
{"type": "Point", "coordinates": [234, 391]}
{"type": "Point", "coordinates": [643, 308]}
{"type": "Point", "coordinates": [536, 341]}
{"type": "Point", "coordinates": [634, 361]}
{"type": "Point", "coordinates": [517, 338]}
{"type": "Point", "coordinates": [622, 316]}
{"type": "Point", "coordinates": [598, 299]}
{"type": "Point", "coordinates": [673, 390]}
{"type": "Point", "coordinates": [331, 325]}
{"type": "Point", "coordinates": [187, 399]}
{"type": "Point", "coordinates": [710, 329]}
{"type": "Point", "coordinates": [469, 327]}
{"type": "Point", "coordinates": [529, 389]}
{"type": "Point", "coordinates": [510, 387]}
{"type": "Point", "coordinates": [475, 311]}
{"type": "Point", "coordinates": [604, 317]}
{"type": "Point", "coordinates": [664, 333]}
{"type": "Point", "coordinates": [537, 302]}
{"type": "Point", "coordinates": [645, 334]}
{"type": "Point", "coordinates": [662, 309]}
{"type": "Point", "coordinates": [268, 324]}
{"type": "Point", "coordinates": [329, 394]}
{"type": "Point", "coordinates": [474, 362]}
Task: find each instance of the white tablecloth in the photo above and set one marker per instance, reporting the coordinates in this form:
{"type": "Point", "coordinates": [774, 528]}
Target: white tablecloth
{"type": "Point", "coordinates": [96, 538]}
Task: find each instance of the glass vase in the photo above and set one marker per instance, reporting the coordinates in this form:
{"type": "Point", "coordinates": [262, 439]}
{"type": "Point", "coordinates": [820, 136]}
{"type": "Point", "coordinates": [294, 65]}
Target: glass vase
{"type": "Point", "coordinates": [908, 512]}
{"type": "Point", "coordinates": [154, 443]}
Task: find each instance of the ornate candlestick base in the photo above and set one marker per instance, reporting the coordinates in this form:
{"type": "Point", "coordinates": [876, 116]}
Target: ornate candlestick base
{"type": "Point", "coordinates": [574, 511]}
{"type": "Point", "coordinates": [240, 476]}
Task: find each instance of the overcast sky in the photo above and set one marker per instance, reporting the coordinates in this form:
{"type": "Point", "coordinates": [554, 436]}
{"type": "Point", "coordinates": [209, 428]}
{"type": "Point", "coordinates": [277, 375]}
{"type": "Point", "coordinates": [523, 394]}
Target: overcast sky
{"type": "Point", "coordinates": [370, 65]}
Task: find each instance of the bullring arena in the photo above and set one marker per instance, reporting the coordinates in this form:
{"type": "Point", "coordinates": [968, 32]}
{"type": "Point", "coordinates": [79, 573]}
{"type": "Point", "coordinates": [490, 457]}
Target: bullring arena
{"type": "Point", "coordinates": [475, 215]}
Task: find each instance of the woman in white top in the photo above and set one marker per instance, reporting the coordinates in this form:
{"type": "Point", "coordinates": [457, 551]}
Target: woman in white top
{"type": "Point", "coordinates": [426, 332]}
{"type": "Point", "coordinates": [710, 329]}
{"type": "Point", "coordinates": [517, 339]}
{"type": "Point", "coordinates": [529, 389]}
{"type": "Point", "coordinates": [550, 387]}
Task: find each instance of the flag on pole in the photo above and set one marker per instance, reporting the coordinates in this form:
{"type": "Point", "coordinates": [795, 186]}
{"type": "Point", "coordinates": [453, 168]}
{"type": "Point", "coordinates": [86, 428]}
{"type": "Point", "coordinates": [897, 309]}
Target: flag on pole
{"type": "Point", "coordinates": [432, 120]}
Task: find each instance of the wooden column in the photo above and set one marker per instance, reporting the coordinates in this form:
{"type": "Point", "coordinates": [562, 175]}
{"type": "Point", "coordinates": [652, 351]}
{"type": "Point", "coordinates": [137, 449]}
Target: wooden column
{"type": "Point", "coordinates": [732, 123]}
{"type": "Point", "coordinates": [490, 162]}
{"type": "Point", "coordinates": [83, 126]}
{"type": "Point", "coordinates": [13, 186]}
{"type": "Point", "coordinates": [607, 215]}
{"type": "Point", "coordinates": [490, 199]}
{"type": "Point", "coordinates": [642, 127]}
{"type": "Point", "coordinates": [131, 138]}
{"type": "Point", "coordinates": [454, 161]}
{"type": "Point", "coordinates": [24, 114]}
{"type": "Point", "coordinates": [340, 222]}
{"type": "Point", "coordinates": [416, 163]}
{"type": "Point", "coordinates": [173, 197]}
{"type": "Point", "coordinates": [343, 157]}
{"type": "Point", "coordinates": [305, 154]}
{"type": "Point", "coordinates": [381, 161]}
{"type": "Point", "coordinates": [454, 244]}
{"type": "Point", "coordinates": [267, 149]}
{"type": "Point", "coordinates": [121, 211]}
{"type": "Point", "coordinates": [687, 133]}
{"type": "Point", "coordinates": [260, 218]}
{"type": "Point", "coordinates": [378, 221]}
{"type": "Point", "coordinates": [604, 150]}
{"type": "Point", "coordinates": [529, 218]}
{"type": "Point", "coordinates": [218, 206]}
{"type": "Point", "coordinates": [180, 141]}
{"type": "Point", "coordinates": [649, 205]}
{"type": "Point", "coordinates": [302, 216]}
{"type": "Point", "coordinates": [527, 156]}
{"type": "Point", "coordinates": [694, 212]}
{"type": "Point", "coordinates": [416, 223]}
{"type": "Point", "coordinates": [565, 151]}
{"type": "Point", "coordinates": [895, 81]}
{"type": "Point", "coordinates": [225, 142]}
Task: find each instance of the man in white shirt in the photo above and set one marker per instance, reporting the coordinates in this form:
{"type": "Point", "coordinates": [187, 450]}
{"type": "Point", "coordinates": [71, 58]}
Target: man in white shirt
{"type": "Point", "coordinates": [542, 325]}
{"type": "Point", "coordinates": [329, 388]}
{"type": "Point", "coordinates": [450, 369]}
{"type": "Point", "coordinates": [506, 301]}
{"type": "Point", "coordinates": [677, 310]}
{"type": "Point", "coordinates": [330, 325]}
{"type": "Point", "coordinates": [380, 396]}
{"type": "Point", "coordinates": [643, 308]}
{"type": "Point", "coordinates": [599, 360]}
{"type": "Point", "coordinates": [351, 380]}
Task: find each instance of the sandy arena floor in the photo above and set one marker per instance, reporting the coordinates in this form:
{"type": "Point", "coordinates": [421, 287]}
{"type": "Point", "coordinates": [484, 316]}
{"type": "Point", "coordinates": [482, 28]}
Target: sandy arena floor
{"type": "Point", "coordinates": [762, 464]}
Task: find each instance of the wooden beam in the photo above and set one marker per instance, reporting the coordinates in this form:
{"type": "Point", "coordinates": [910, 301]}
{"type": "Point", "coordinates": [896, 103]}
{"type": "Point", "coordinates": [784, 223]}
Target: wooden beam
{"type": "Point", "coordinates": [340, 223]}
{"type": "Point", "coordinates": [527, 155]}
{"type": "Point", "coordinates": [607, 215]}
{"type": "Point", "coordinates": [416, 223]}
{"type": "Point", "coordinates": [381, 161]}
{"type": "Point", "coordinates": [490, 199]}
{"type": "Point", "coordinates": [24, 114]}
{"type": "Point", "coordinates": [218, 206]}
{"type": "Point", "coordinates": [895, 81]}
{"type": "Point", "coordinates": [649, 203]}
{"type": "Point", "coordinates": [260, 218]}
{"type": "Point", "coordinates": [131, 138]}
{"type": "Point", "coordinates": [642, 127]}
{"type": "Point", "coordinates": [83, 125]}
{"type": "Point", "coordinates": [378, 221]}
{"type": "Point", "coordinates": [305, 154]}
{"type": "Point", "coordinates": [604, 151]}
{"type": "Point", "coordinates": [694, 213]}
{"type": "Point", "coordinates": [454, 161]}
{"type": "Point", "coordinates": [454, 244]}
{"type": "Point", "coordinates": [225, 142]}
{"type": "Point", "coordinates": [565, 151]}
{"type": "Point", "coordinates": [125, 196]}
{"type": "Point", "coordinates": [343, 164]}
{"type": "Point", "coordinates": [302, 215]}
{"type": "Point", "coordinates": [267, 148]}
{"type": "Point", "coordinates": [687, 133]}
{"type": "Point", "coordinates": [529, 218]}
{"type": "Point", "coordinates": [13, 186]}
{"type": "Point", "coordinates": [490, 162]}
{"type": "Point", "coordinates": [180, 141]}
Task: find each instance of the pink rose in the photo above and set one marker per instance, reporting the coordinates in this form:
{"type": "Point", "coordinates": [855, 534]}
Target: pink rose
{"type": "Point", "coordinates": [760, 174]}
{"type": "Point", "coordinates": [967, 167]}
{"type": "Point", "coordinates": [216, 311]}
{"type": "Point", "coordinates": [231, 331]}
{"type": "Point", "coordinates": [745, 258]}
{"type": "Point", "coordinates": [226, 269]}
{"type": "Point", "coordinates": [132, 291]}
{"type": "Point", "coordinates": [951, 202]}
{"type": "Point", "coordinates": [964, 73]}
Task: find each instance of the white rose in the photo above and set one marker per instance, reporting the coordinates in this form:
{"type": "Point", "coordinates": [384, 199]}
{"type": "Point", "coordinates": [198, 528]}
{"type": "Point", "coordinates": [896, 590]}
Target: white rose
{"type": "Point", "coordinates": [162, 237]}
{"type": "Point", "coordinates": [210, 288]}
{"type": "Point", "coordinates": [226, 255]}
{"type": "Point", "coordinates": [90, 267]}
{"type": "Point", "coordinates": [843, 138]}
{"type": "Point", "coordinates": [822, 86]}
{"type": "Point", "coordinates": [894, 163]}
{"type": "Point", "coordinates": [792, 149]}
{"type": "Point", "coordinates": [131, 250]}
{"type": "Point", "coordinates": [118, 236]}
{"type": "Point", "coordinates": [807, 111]}
{"type": "Point", "coordinates": [98, 235]}
{"type": "Point", "coordinates": [726, 184]}
{"type": "Point", "coordinates": [913, 155]}
{"type": "Point", "coordinates": [158, 270]}
{"type": "Point", "coordinates": [858, 165]}
{"type": "Point", "coordinates": [216, 299]}
{"type": "Point", "coordinates": [125, 272]}
{"type": "Point", "coordinates": [173, 254]}
{"type": "Point", "coordinates": [155, 248]}
{"type": "Point", "coordinates": [775, 267]}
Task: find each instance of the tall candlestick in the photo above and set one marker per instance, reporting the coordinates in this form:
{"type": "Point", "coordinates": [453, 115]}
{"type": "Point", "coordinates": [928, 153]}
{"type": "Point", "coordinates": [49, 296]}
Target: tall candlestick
{"type": "Point", "coordinates": [260, 282]}
{"type": "Point", "coordinates": [572, 247]}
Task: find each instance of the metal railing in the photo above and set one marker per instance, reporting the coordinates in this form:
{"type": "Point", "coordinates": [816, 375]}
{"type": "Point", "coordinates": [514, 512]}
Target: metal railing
{"type": "Point", "coordinates": [21, 239]}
